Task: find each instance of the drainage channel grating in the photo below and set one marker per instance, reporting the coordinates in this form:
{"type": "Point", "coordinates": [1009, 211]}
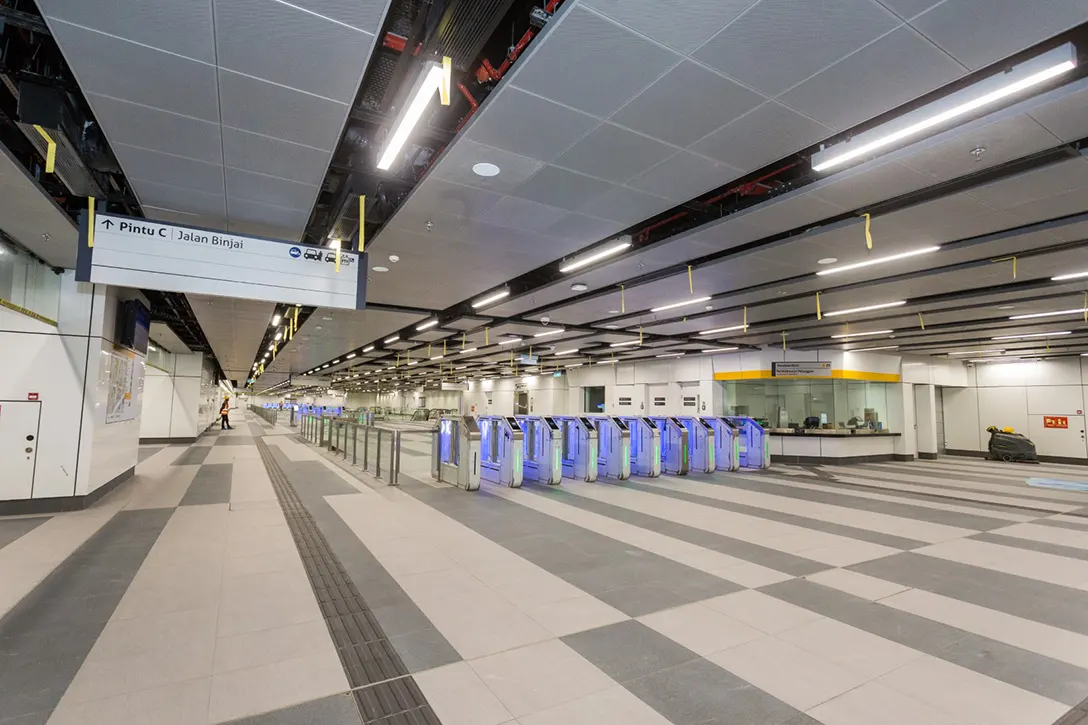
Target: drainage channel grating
{"type": "Point", "coordinates": [383, 689]}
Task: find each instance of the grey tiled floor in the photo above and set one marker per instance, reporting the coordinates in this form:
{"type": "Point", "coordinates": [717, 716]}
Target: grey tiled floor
{"type": "Point", "coordinates": [944, 592]}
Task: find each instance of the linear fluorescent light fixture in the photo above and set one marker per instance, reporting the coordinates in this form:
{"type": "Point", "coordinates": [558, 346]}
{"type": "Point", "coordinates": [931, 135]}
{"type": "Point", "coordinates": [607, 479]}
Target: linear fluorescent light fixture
{"type": "Point", "coordinates": [869, 308]}
{"type": "Point", "coordinates": [595, 257]}
{"type": "Point", "coordinates": [567, 352]}
{"type": "Point", "coordinates": [471, 349]}
{"type": "Point", "coordinates": [625, 344]}
{"type": "Point", "coordinates": [719, 349]}
{"type": "Point", "coordinates": [426, 325]}
{"type": "Point", "coordinates": [734, 328]}
{"type": "Point", "coordinates": [1034, 334]}
{"type": "Point", "coordinates": [512, 339]}
{"type": "Point", "coordinates": [1063, 277]}
{"type": "Point", "coordinates": [862, 334]}
{"type": "Point", "coordinates": [981, 96]}
{"type": "Point", "coordinates": [1078, 311]}
{"type": "Point", "coordinates": [878, 260]}
{"type": "Point", "coordinates": [349, 356]}
{"type": "Point", "coordinates": [550, 332]}
{"type": "Point", "coordinates": [684, 303]}
{"type": "Point", "coordinates": [673, 354]}
{"type": "Point", "coordinates": [871, 349]}
{"type": "Point", "coordinates": [490, 298]}
{"type": "Point", "coordinates": [428, 82]}
{"type": "Point", "coordinates": [368, 348]}
{"type": "Point", "coordinates": [976, 352]}
{"type": "Point", "coordinates": [390, 340]}
{"type": "Point", "coordinates": [275, 320]}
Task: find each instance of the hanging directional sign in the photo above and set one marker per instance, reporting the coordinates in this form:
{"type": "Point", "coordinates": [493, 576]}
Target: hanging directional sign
{"type": "Point", "coordinates": [141, 253]}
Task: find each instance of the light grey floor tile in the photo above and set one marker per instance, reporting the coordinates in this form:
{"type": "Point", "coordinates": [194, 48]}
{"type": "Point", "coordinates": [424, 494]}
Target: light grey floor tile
{"type": "Point", "coordinates": [1029, 671]}
{"type": "Point", "coordinates": [194, 456]}
{"type": "Point", "coordinates": [332, 710]}
{"type": "Point", "coordinates": [148, 451]}
{"type": "Point", "coordinates": [1028, 598]}
{"type": "Point", "coordinates": [45, 638]}
{"type": "Point", "coordinates": [423, 649]}
{"type": "Point", "coordinates": [853, 532]}
{"type": "Point", "coordinates": [700, 692]}
{"type": "Point", "coordinates": [211, 485]}
{"type": "Point", "coordinates": [234, 440]}
{"type": "Point", "coordinates": [12, 529]}
{"type": "Point", "coordinates": [1043, 546]}
{"type": "Point", "coordinates": [629, 650]}
{"type": "Point", "coordinates": [788, 563]}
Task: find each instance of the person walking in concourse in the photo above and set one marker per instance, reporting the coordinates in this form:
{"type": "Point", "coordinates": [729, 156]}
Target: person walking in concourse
{"type": "Point", "coordinates": [224, 412]}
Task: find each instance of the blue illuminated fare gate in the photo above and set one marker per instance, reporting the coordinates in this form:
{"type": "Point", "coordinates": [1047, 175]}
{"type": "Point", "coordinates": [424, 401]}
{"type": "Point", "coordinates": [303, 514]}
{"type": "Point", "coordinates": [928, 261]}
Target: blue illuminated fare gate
{"type": "Point", "coordinates": [726, 443]}
{"type": "Point", "coordinates": [702, 445]}
{"type": "Point", "coordinates": [646, 446]}
{"type": "Point", "coordinates": [579, 447]}
{"type": "Point", "coordinates": [501, 449]}
{"type": "Point", "coordinates": [675, 452]}
{"type": "Point", "coordinates": [755, 451]}
{"type": "Point", "coordinates": [543, 448]}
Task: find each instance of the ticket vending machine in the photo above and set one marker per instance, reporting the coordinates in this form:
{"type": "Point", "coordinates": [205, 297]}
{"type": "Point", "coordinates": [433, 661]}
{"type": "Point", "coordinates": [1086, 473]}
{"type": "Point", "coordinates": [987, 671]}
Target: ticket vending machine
{"type": "Point", "coordinates": [754, 451]}
{"type": "Point", "coordinates": [726, 443]}
{"type": "Point", "coordinates": [702, 444]}
{"type": "Point", "coordinates": [543, 452]}
{"type": "Point", "coordinates": [501, 443]}
{"type": "Point", "coordinates": [455, 453]}
{"type": "Point", "coordinates": [614, 456]}
{"type": "Point", "coordinates": [579, 447]}
{"type": "Point", "coordinates": [675, 456]}
{"type": "Point", "coordinates": [646, 450]}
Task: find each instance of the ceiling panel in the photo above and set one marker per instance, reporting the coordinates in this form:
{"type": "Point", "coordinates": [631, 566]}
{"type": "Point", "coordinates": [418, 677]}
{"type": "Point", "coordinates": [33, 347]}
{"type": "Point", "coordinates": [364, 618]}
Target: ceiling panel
{"type": "Point", "coordinates": [681, 26]}
{"type": "Point", "coordinates": [614, 154]}
{"type": "Point", "coordinates": [142, 164]}
{"type": "Point", "coordinates": [234, 328]}
{"type": "Point", "coordinates": [152, 128]}
{"type": "Point", "coordinates": [762, 136]}
{"type": "Point", "coordinates": [274, 157]}
{"type": "Point", "coordinates": [31, 217]}
{"type": "Point", "coordinates": [165, 338]}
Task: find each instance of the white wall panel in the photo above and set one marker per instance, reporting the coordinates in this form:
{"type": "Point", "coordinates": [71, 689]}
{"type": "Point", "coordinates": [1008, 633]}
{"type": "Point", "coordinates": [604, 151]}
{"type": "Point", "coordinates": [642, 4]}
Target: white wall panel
{"type": "Point", "coordinates": [185, 413]}
{"type": "Point", "coordinates": [961, 422]}
{"type": "Point", "coordinates": [1003, 407]}
{"type": "Point", "coordinates": [158, 400]}
{"type": "Point", "coordinates": [1055, 400]}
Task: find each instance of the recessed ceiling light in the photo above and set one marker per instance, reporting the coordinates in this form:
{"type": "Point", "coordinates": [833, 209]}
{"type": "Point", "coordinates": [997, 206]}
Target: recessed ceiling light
{"type": "Point", "coordinates": [613, 312]}
{"type": "Point", "coordinates": [380, 269]}
{"type": "Point", "coordinates": [827, 260]}
{"type": "Point", "coordinates": [394, 258]}
{"type": "Point", "coordinates": [611, 327]}
{"type": "Point", "coordinates": [1006, 307]}
{"type": "Point", "coordinates": [579, 287]}
{"type": "Point", "coordinates": [327, 318]}
{"type": "Point", "coordinates": [485, 168]}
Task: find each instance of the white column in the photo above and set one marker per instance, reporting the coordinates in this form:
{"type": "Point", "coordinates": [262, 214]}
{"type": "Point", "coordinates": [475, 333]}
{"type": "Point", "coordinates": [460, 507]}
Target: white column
{"type": "Point", "coordinates": [901, 418]}
{"type": "Point", "coordinates": [925, 405]}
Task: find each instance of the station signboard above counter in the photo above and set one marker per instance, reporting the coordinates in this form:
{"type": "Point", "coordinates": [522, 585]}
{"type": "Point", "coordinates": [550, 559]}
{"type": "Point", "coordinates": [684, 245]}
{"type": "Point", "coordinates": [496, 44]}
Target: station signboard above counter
{"type": "Point", "coordinates": [145, 254]}
{"type": "Point", "coordinates": [801, 369]}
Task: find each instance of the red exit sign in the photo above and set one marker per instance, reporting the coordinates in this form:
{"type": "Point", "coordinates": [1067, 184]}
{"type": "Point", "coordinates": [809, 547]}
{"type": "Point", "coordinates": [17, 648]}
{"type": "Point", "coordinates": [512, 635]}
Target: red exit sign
{"type": "Point", "coordinates": [1055, 421]}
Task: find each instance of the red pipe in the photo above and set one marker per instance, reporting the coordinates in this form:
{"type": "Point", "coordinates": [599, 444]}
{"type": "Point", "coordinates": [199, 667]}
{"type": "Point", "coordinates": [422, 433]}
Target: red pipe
{"type": "Point", "coordinates": [396, 42]}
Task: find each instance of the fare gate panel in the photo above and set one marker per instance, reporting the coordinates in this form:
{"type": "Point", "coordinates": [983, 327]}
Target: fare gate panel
{"type": "Point", "coordinates": [754, 451]}
{"type": "Point", "coordinates": [614, 456]}
{"type": "Point", "coordinates": [456, 452]}
{"type": "Point", "coordinates": [543, 448]}
{"type": "Point", "coordinates": [502, 443]}
{"type": "Point", "coordinates": [646, 447]}
{"type": "Point", "coordinates": [703, 444]}
{"type": "Point", "coordinates": [579, 448]}
{"type": "Point", "coordinates": [675, 454]}
{"type": "Point", "coordinates": [726, 443]}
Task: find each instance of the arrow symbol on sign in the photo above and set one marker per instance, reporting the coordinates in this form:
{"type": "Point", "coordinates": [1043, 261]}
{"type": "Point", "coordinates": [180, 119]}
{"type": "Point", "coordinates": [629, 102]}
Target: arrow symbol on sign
{"type": "Point", "coordinates": [107, 223]}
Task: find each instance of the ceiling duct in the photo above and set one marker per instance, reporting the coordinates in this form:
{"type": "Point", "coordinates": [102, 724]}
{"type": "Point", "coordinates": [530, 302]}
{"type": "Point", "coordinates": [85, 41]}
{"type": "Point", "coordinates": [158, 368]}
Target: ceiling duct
{"type": "Point", "coordinates": [464, 28]}
{"type": "Point", "coordinates": [47, 107]}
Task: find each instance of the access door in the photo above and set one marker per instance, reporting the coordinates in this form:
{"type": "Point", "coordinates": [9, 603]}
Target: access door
{"type": "Point", "coordinates": [18, 447]}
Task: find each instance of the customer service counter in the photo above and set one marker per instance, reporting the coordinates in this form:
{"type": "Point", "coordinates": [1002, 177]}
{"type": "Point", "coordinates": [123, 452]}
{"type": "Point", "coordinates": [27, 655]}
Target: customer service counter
{"type": "Point", "coordinates": [826, 446]}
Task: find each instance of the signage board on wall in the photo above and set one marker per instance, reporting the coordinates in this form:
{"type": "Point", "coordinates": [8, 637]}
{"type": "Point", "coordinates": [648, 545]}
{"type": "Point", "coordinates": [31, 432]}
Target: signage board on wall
{"type": "Point", "coordinates": [1055, 421]}
{"type": "Point", "coordinates": [140, 253]}
{"type": "Point", "coordinates": [120, 397]}
{"type": "Point", "coordinates": [807, 369]}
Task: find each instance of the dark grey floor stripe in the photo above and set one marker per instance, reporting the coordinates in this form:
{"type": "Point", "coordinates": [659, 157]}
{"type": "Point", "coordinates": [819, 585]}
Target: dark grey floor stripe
{"type": "Point", "coordinates": [211, 485]}
{"type": "Point", "coordinates": [840, 494]}
{"type": "Point", "coordinates": [632, 580]}
{"type": "Point", "coordinates": [45, 637]}
{"type": "Point", "coordinates": [332, 710]}
{"type": "Point", "coordinates": [948, 483]}
{"type": "Point", "coordinates": [383, 689]}
{"type": "Point", "coordinates": [1029, 671]}
{"type": "Point", "coordinates": [853, 532]}
{"type": "Point", "coordinates": [1059, 524]}
{"type": "Point", "coordinates": [1070, 552]}
{"type": "Point", "coordinates": [764, 556]}
{"type": "Point", "coordinates": [234, 440]}
{"type": "Point", "coordinates": [1028, 598]}
{"type": "Point", "coordinates": [193, 456]}
{"type": "Point", "coordinates": [412, 634]}
{"type": "Point", "coordinates": [12, 529]}
{"type": "Point", "coordinates": [147, 451]}
{"type": "Point", "coordinates": [676, 682]}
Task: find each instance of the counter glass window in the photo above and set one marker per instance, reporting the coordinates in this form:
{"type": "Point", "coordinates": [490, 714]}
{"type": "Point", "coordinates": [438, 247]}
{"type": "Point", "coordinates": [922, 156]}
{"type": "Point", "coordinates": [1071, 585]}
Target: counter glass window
{"type": "Point", "coordinates": [823, 404]}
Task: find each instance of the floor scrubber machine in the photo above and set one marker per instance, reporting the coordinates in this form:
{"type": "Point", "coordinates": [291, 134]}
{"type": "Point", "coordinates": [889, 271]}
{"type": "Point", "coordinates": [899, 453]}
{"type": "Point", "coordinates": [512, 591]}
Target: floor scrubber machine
{"type": "Point", "coordinates": [1005, 445]}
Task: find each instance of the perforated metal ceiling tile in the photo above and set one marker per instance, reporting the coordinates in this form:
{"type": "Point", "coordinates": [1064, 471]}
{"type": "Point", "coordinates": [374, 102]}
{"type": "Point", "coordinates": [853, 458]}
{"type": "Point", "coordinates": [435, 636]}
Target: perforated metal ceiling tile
{"type": "Point", "coordinates": [681, 26]}
{"type": "Point", "coordinates": [525, 124]}
{"type": "Point", "coordinates": [155, 129]}
{"type": "Point", "coordinates": [28, 214]}
{"type": "Point", "coordinates": [708, 100]}
{"type": "Point", "coordinates": [212, 206]}
{"type": "Point", "coordinates": [436, 195]}
{"type": "Point", "coordinates": [187, 173]}
{"type": "Point", "coordinates": [184, 28]}
{"type": "Point", "coordinates": [999, 142]}
{"type": "Point", "coordinates": [264, 155]}
{"type": "Point", "coordinates": [684, 176]}
{"type": "Point", "coordinates": [177, 217]}
{"type": "Point", "coordinates": [284, 113]}
{"type": "Point", "coordinates": [234, 327]}
{"type": "Point", "coordinates": [980, 32]}
{"type": "Point", "coordinates": [857, 188]}
{"type": "Point", "coordinates": [579, 227]}
{"type": "Point", "coordinates": [290, 233]}
{"type": "Point", "coordinates": [1071, 232]}
{"type": "Point", "coordinates": [457, 163]}
{"type": "Point", "coordinates": [282, 44]}
{"type": "Point", "coordinates": [626, 206]}
{"type": "Point", "coordinates": [1034, 185]}
{"type": "Point", "coordinates": [561, 188]}
{"type": "Point", "coordinates": [1070, 202]}
{"type": "Point", "coordinates": [613, 153]}
{"type": "Point", "coordinates": [270, 190]}
{"type": "Point", "coordinates": [779, 43]}
{"type": "Point", "coordinates": [762, 136]}
{"type": "Point", "coordinates": [951, 217]}
{"type": "Point", "coordinates": [510, 211]}
{"type": "Point", "coordinates": [908, 9]}
{"type": "Point", "coordinates": [1066, 118]}
{"type": "Point", "coordinates": [592, 64]}
{"type": "Point", "coordinates": [895, 69]}
{"type": "Point", "coordinates": [291, 220]}
{"type": "Point", "coordinates": [128, 71]}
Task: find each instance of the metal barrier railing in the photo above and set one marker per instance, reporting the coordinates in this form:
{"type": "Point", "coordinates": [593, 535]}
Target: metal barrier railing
{"type": "Point", "coordinates": [375, 449]}
{"type": "Point", "coordinates": [267, 414]}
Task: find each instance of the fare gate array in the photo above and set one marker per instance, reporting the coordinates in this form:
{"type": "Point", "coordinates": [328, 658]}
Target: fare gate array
{"type": "Point", "coordinates": [545, 449]}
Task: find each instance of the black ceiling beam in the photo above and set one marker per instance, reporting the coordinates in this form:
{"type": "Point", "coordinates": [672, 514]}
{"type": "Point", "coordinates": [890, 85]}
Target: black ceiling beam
{"type": "Point", "coordinates": [20, 19]}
